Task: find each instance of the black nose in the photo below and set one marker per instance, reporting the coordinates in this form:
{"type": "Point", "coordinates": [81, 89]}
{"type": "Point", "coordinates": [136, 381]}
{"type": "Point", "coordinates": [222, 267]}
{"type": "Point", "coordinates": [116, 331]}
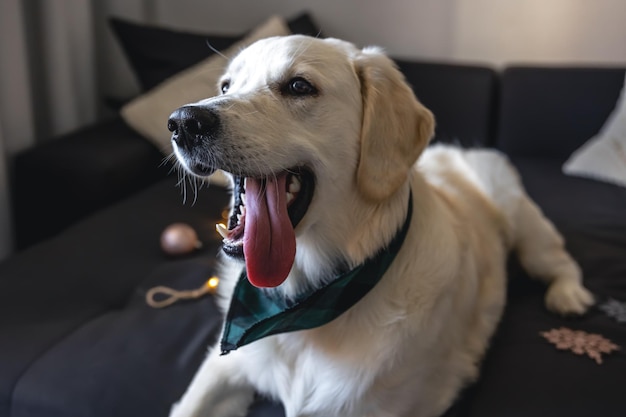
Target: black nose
{"type": "Point", "coordinates": [190, 124]}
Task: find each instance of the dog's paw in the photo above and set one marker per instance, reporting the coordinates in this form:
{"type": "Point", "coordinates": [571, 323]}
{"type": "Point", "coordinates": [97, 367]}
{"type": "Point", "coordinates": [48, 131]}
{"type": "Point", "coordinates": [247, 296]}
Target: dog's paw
{"type": "Point", "coordinates": [567, 297]}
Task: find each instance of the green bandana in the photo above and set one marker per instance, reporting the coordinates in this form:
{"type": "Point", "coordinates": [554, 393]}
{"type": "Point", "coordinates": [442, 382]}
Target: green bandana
{"type": "Point", "coordinates": [255, 314]}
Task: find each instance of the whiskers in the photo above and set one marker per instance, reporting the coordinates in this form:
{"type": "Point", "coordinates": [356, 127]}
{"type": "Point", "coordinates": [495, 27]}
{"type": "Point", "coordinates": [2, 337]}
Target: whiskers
{"type": "Point", "coordinates": [215, 50]}
{"type": "Point", "coordinates": [185, 179]}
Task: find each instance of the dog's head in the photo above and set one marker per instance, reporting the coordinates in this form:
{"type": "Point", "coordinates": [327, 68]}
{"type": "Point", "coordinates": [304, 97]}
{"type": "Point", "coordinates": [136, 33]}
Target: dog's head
{"type": "Point", "coordinates": [313, 132]}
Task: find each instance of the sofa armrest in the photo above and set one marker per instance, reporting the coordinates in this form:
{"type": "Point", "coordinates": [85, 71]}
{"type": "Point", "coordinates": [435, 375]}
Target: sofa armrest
{"type": "Point", "coordinates": [65, 179]}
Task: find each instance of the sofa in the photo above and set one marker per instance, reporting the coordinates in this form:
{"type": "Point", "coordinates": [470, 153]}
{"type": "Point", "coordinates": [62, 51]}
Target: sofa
{"type": "Point", "coordinates": [77, 338]}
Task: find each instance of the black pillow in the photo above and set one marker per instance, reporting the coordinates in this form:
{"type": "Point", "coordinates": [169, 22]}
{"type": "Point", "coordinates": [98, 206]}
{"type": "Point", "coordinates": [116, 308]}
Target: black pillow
{"type": "Point", "coordinates": [156, 53]}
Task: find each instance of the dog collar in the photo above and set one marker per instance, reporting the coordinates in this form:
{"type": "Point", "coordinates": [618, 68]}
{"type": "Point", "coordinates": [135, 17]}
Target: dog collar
{"type": "Point", "coordinates": [254, 314]}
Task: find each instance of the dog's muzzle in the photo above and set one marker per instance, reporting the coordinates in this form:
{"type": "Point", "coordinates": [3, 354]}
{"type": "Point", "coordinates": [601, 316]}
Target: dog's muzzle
{"type": "Point", "coordinates": [267, 206]}
{"type": "Point", "coordinates": [192, 128]}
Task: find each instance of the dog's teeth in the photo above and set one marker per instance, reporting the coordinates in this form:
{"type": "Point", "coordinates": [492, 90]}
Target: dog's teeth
{"type": "Point", "coordinates": [294, 185]}
{"type": "Point", "coordinates": [222, 230]}
{"type": "Point", "coordinates": [289, 197]}
{"type": "Point", "coordinates": [242, 211]}
{"type": "Point", "coordinates": [242, 196]}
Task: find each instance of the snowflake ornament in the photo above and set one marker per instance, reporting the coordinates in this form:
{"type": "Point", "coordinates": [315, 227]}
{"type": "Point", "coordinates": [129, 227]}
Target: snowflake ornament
{"type": "Point", "coordinates": [614, 308]}
{"type": "Point", "coordinates": [579, 342]}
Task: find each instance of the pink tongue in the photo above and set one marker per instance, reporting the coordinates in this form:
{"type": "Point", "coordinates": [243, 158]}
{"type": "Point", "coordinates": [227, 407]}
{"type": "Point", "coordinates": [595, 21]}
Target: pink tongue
{"type": "Point", "coordinates": [269, 242]}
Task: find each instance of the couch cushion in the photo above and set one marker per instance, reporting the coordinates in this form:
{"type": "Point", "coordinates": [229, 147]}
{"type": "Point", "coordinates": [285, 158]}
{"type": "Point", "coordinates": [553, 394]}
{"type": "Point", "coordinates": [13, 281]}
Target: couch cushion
{"type": "Point", "coordinates": [77, 338]}
{"type": "Point", "coordinates": [524, 375]}
{"type": "Point", "coordinates": [127, 361]}
{"type": "Point", "coordinates": [64, 180]}
{"type": "Point", "coordinates": [461, 97]}
{"type": "Point", "coordinates": [550, 112]}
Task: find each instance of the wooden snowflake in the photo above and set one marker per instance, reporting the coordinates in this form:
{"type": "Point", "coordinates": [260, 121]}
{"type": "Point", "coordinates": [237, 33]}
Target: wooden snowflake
{"type": "Point", "coordinates": [614, 308]}
{"type": "Point", "coordinates": [579, 342]}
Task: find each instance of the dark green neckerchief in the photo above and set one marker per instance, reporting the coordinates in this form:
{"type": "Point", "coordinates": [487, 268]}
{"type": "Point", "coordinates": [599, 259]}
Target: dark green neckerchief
{"type": "Point", "coordinates": [254, 314]}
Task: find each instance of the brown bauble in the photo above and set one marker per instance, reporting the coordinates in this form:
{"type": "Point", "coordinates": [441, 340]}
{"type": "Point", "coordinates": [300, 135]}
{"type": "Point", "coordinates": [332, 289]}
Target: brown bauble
{"type": "Point", "coordinates": [179, 239]}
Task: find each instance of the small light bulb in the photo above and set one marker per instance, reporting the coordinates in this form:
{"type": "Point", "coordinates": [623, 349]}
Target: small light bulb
{"type": "Point", "coordinates": [212, 284]}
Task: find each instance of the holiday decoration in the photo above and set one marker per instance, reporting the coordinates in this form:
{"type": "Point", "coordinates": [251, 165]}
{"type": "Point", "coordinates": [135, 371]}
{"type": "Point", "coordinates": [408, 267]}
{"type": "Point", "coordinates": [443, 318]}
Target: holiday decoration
{"type": "Point", "coordinates": [614, 308]}
{"type": "Point", "coordinates": [579, 342]}
{"type": "Point", "coordinates": [179, 239]}
{"type": "Point", "coordinates": [161, 296]}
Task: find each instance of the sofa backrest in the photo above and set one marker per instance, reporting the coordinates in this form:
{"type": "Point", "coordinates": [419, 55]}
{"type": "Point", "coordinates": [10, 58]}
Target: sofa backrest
{"type": "Point", "coordinates": [462, 98]}
{"type": "Point", "coordinates": [552, 111]}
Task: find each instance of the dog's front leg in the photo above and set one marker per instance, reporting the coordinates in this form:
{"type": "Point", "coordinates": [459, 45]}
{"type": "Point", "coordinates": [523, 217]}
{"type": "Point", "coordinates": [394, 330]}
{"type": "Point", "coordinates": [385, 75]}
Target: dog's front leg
{"type": "Point", "coordinates": [219, 389]}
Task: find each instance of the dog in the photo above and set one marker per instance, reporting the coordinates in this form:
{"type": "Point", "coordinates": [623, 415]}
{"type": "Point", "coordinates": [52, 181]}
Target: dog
{"type": "Point", "coordinates": [326, 146]}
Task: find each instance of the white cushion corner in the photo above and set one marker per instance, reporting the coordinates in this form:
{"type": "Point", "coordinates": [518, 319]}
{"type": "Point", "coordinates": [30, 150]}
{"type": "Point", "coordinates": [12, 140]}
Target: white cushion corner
{"type": "Point", "coordinates": [603, 157]}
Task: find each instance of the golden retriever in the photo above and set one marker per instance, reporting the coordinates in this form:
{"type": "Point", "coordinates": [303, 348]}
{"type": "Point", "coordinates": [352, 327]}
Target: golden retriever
{"type": "Point", "coordinates": [326, 143]}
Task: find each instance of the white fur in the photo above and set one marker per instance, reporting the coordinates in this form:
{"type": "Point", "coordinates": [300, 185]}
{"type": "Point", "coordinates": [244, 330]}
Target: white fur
{"type": "Point", "coordinates": [408, 347]}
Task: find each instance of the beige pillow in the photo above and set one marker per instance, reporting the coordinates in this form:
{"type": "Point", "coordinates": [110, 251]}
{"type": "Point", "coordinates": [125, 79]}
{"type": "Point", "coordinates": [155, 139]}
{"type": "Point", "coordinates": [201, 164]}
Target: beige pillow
{"type": "Point", "coordinates": [148, 113]}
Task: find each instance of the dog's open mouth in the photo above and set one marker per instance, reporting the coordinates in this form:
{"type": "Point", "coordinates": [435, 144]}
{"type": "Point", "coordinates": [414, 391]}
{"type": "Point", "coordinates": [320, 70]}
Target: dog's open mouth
{"type": "Point", "coordinates": [261, 226]}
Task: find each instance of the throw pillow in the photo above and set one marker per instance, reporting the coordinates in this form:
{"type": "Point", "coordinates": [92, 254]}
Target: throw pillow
{"type": "Point", "coordinates": [148, 113]}
{"type": "Point", "coordinates": [603, 157]}
{"type": "Point", "coordinates": [156, 53]}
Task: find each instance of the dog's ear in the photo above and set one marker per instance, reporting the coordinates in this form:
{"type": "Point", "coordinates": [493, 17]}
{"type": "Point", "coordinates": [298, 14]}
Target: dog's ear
{"type": "Point", "coordinates": [396, 127]}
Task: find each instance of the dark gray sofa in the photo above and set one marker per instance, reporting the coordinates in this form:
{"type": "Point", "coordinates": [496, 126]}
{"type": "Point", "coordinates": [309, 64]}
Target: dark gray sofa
{"type": "Point", "coordinates": [77, 339]}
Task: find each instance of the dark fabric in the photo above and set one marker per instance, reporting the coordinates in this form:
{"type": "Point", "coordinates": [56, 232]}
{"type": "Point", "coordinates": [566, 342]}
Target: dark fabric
{"type": "Point", "coordinates": [550, 112]}
{"type": "Point", "coordinates": [77, 338]}
{"type": "Point", "coordinates": [461, 97]}
{"type": "Point", "coordinates": [64, 180]}
{"type": "Point", "coordinates": [304, 24]}
{"type": "Point", "coordinates": [590, 214]}
{"type": "Point", "coordinates": [524, 375]}
{"type": "Point", "coordinates": [156, 53]}
{"type": "Point", "coordinates": [265, 408]}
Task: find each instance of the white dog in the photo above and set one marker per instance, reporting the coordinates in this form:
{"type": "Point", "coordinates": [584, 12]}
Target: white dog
{"type": "Point", "coordinates": [322, 140]}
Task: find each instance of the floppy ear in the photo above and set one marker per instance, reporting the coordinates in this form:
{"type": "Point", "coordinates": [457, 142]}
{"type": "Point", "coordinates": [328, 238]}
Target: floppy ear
{"type": "Point", "coordinates": [396, 127]}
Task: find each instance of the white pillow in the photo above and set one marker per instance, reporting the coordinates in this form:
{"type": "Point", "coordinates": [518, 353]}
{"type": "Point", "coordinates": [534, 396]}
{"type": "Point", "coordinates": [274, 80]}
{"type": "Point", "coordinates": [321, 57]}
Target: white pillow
{"type": "Point", "coordinates": [148, 113]}
{"type": "Point", "coordinates": [603, 157]}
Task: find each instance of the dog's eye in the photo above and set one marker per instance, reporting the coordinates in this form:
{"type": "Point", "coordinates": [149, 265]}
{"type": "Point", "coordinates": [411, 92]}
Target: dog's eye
{"type": "Point", "coordinates": [300, 87]}
{"type": "Point", "coordinates": [224, 87]}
